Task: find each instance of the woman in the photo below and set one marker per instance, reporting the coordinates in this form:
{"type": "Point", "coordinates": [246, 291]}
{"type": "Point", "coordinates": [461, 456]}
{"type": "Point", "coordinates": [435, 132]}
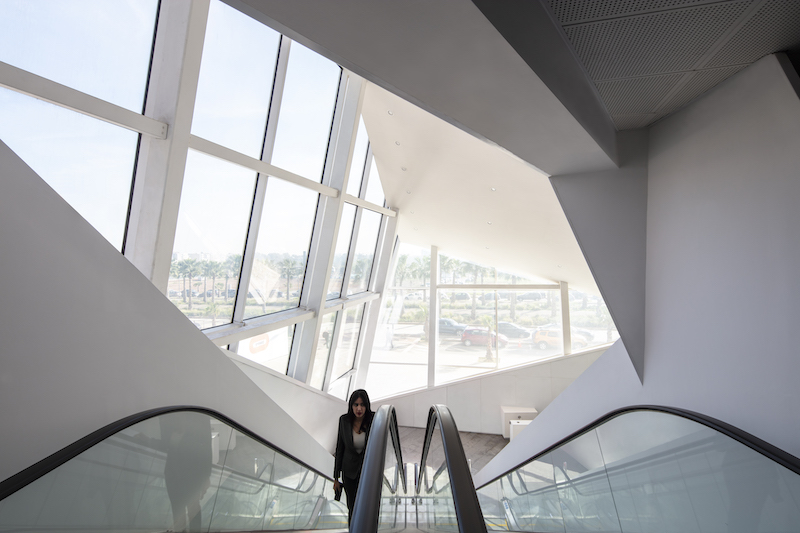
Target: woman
{"type": "Point", "coordinates": [353, 430]}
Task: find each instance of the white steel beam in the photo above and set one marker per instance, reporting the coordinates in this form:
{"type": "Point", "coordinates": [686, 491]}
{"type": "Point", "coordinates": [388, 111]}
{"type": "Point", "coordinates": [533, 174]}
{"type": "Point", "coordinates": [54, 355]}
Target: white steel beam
{"type": "Point", "coordinates": [433, 317]}
{"type": "Point", "coordinates": [566, 327]}
{"type": "Point", "coordinates": [41, 88]}
{"type": "Point", "coordinates": [350, 199]}
{"type": "Point", "coordinates": [262, 167]}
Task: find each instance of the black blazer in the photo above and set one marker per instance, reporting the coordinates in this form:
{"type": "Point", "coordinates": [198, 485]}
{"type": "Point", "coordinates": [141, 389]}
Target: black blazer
{"type": "Point", "coordinates": [348, 460]}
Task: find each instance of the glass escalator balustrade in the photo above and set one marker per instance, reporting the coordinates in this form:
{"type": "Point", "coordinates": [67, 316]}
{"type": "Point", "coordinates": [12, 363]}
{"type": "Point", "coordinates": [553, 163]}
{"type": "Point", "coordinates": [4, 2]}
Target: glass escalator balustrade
{"type": "Point", "coordinates": [177, 471]}
{"type": "Point", "coordinates": [646, 471]}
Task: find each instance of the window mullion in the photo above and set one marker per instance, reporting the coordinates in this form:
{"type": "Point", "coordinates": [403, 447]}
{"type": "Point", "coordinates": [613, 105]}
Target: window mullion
{"type": "Point", "coordinates": [248, 257]}
{"type": "Point", "coordinates": [326, 226]}
{"type": "Point", "coordinates": [372, 311]}
{"type": "Point", "coordinates": [351, 253]}
{"type": "Point", "coordinates": [335, 337]}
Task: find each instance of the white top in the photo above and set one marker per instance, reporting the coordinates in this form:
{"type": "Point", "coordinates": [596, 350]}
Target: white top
{"type": "Point", "coordinates": [359, 441]}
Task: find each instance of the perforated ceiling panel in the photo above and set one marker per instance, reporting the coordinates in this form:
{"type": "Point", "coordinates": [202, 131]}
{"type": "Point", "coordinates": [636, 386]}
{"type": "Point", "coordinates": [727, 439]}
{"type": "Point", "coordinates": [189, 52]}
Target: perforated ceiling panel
{"type": "Point", "coordinates": [638, 95]}
{"type": "Point", "coordinates": [651, 44]}
{"type": "Point", "coordinates": [573, 11]}
{"type": "Point", "coordinates": [775, 26]}
{"type": "Point", "coordinates": [699, 83]}
{"type": "Point", "coordinates": [648, 58]}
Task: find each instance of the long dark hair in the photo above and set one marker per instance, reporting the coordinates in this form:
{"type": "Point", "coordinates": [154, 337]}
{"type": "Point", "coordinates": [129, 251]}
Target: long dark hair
{"type": "Point", "coordinates": [368, 414]}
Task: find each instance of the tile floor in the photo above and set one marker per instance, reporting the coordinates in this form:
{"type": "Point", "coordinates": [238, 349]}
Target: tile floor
{"type": "Point", "coordinates": [480, 448]}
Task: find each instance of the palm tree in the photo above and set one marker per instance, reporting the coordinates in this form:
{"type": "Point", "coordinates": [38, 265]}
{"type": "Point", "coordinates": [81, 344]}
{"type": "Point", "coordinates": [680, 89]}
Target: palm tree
{"type": "Point", "coordinates": [213, 310]}
{"type": "Point", "coordinates": [287, 267]}
{"type": "Point", "coordinates": [421, 269]}
{"type": "Point", "coordinates": [188, 268]}
{"type": "Point", "coordinates": [174, 273]}
{"type": "Point", "coordinates": [401, 270]}
{"type": "Point", "coordinates": [231, 269]}
{"type": "Point", "coordinates": [211, 269]}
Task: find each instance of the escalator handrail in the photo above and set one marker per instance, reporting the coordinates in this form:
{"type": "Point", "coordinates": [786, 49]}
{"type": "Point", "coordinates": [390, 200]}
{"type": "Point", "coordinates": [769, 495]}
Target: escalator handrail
{"type": "Point", "coordinates": [366, 509]}
{"type": "Point", "coordinates": [51, 462]}
{"type": "Point", "coordinates": [766, 449]}
{"type": "Point", "coordinates": [468, 510]}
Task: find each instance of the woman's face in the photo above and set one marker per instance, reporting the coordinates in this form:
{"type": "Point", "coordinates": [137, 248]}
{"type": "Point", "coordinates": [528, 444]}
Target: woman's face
{"type": "Point", "coordinates": [359, 408]}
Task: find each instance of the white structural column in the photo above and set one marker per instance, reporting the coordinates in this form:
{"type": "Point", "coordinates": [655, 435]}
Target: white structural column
{"type": "Point", "coordinates": [326, 226]}
{"type": "Point", "coordinates": [162, 162]}
{"type": "Point", "coordinates": [565, 324]}
{"type": "Point", "coordinates": [433, 317]}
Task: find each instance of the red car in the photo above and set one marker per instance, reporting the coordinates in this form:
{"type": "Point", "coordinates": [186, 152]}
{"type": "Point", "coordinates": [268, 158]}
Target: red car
{"type": "Point", "coordinates": [480, 336]}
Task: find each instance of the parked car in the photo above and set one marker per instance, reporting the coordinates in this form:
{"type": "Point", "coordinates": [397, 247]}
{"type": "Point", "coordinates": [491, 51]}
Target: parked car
{"type": "Point", "coordinates": [480, 336]}
{"type": "Point", "coordinates": [512, 331]}
{"type": "Point", "coordinates": [448, 326]}
{"type": "Point", "coordinates": [551, 338]}
{"type": "Point", "coordinates": [489, 296]}
{"type": "Point", "coordinates": [535, 296]}
{"type": "Point", "coordinates": [461, 296]}
{"type": "Point", "coordinates": [413, 296]}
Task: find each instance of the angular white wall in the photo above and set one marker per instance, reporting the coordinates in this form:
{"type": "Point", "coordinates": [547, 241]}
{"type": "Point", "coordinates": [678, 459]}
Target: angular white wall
{"type": "Point", "coordinates": [475, 402]}
{"type": "Point", "coordinates": [722, 296]}
{"type": "Point", "coordinates": [87, 340]}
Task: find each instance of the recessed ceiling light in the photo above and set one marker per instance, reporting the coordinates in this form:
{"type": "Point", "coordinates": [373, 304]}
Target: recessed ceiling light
{"type": "Point", "coordinates": [487, 247]}
{"type": "Point", "coordinates": [403, 169]}
{"type": "Point", "coordinates": [397, 143]}
{"type": "Point", "coordinates": [493, 189]}
{"type": "Point", "coordinates": [489, 223]}
{"type": "Point", "coordinates": [408, 192]}
{"type": "Point", "coordinates": [412, 212]}
{"type": "Point", "coordinates": [415, 229]}
{"type": "Point", "coordinates": [390, 112]}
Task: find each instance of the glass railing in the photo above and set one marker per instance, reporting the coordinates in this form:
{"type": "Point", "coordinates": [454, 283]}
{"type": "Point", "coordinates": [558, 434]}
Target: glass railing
{"type": "Point", "coordinates": [650, 471]}
{"type": "Point", "coordinates": [446, 499]}
{"type": "Point", "coordinates": [380, 502]}
{"type": "Point", "coordinates": [185, 470]}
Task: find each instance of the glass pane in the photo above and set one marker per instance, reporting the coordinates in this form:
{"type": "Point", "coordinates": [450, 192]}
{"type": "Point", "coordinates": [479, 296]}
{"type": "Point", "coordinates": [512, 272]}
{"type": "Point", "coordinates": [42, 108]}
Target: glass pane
{"type": "Point", "coordinates": [342, 249]}
{"type": "Point", "coordinates": [87, 161]}
{"type": "Point", "coordinates": [182, 471]}
{"type": "Point", "coordinates": [392, 513]}
{"type": "Point", "coordinates": [359, 159]}
{"type": "Point", "coordinates": [455, 271]}
{"type": "Point", "coordinates": [304, 124]}
{"type": "Point", "coordinates": [212, 224]}
{"type": "Point", "coordinates": [340, 387]}
{"type": "Point", "coordinates": [106, 54]}
{"type": "Point", "coordinates": [468, 340]}
{"type": "Point", "coordinates": [348, 341]}
{"type": "Point", "coordinates": [374, 187]}
{"type": "Point", "coordinates": [235, 85]}
{"type": "Point", "coordinates": [270, 349]}
{"type": "Point", "coordinates": [324, 344]}
{"type": "Point", "coordinates": [365, 251]}
{"type": "Point", "coordinates": [590, 322]}
{"type": "Point", "coordinates": [436, 510]}
{"type": "Point", "coordinates": [583, 489]}
{"type": "Point", "coordinates": [284, 237]}
{"type": "Point", "coordinates": [399, 360]}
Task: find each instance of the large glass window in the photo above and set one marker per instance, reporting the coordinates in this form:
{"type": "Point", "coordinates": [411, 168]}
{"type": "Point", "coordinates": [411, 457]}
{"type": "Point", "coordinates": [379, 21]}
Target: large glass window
{"type": "Point", "coordinates": [235, 86]}
{"type": "Point", "coordinates": [359, 160]}
{"type": "Point", "coordinates": [87, 161]}
{"type": "Point", "coordinates": [324, 344]}
{"type": "Point", "coordinates": [97, 47]}
{"type": "Point", "coordinates": [282, 249]}
{"type": "Point", "coordinates": [399, 359]}
{"type": "Point", "coordinates": [304, 126]}
{"type": "Point", "coordinates": [212, 224]}
{"type": "Point", "coordinates": [590, 321]}
{"type": "Point", "coordinates": [341, 251]}
{"type": "Point", "coordinates": [270, 349]}
{"type": "Point", "coordinates": [374, 186]}
{"type": "Point", "coordinates": [344, 358]}
{"type": "Point", "coordinates": [365, 251]}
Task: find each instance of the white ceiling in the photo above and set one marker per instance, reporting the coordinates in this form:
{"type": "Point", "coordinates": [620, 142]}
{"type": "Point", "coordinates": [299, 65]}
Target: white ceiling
{"type": "Point", "coordinates": [450, 175]}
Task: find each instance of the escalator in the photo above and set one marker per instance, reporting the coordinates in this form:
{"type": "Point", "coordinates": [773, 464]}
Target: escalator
{"type": "Point", "coordinates": [643, 469]}
{"type": "Point", "coordinates": [190, 469]}
{"type": "Point", "coordinates": [650, 469]}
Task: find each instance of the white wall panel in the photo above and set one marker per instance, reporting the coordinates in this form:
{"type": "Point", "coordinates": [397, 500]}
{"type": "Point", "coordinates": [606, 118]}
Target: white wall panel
{"type": "Point", "coordinates": [88, 340]}
{"type": "Point", "coordinates": [464, 402]}
{"type": "Point", "coordinates": [722, 291]}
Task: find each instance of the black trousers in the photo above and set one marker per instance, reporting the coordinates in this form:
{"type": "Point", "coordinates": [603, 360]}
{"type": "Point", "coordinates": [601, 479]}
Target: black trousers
{"type": "Point", "coordinates": [350, 488]}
